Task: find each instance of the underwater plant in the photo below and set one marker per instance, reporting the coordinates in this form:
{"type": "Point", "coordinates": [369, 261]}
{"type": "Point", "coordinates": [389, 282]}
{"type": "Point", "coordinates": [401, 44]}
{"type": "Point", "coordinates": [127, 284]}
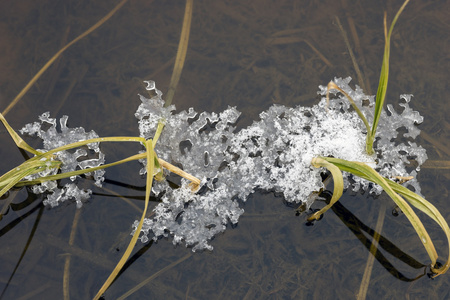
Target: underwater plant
{"type": "Point", "coordinates": [286, 151]}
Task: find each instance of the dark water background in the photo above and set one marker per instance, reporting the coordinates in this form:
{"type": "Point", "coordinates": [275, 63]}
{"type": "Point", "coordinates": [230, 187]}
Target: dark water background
{"type": "Point", "coordinates": [248, 54]}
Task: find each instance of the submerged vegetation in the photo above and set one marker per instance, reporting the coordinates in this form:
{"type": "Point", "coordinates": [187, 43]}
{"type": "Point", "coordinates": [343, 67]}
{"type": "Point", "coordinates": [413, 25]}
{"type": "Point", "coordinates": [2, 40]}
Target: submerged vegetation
{"type": "Point", "coordinates": [287, 151]}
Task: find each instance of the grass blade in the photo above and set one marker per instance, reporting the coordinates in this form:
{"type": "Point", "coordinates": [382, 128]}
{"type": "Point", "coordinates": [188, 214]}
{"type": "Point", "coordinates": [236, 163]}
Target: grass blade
{"type": "Point", "coordinates": [331, 85]}
{"type": "Point", "coordinates": [52, 60]}
{"type": "Point", "coordinates": [338, 185]}
{"type": "Point", "coordinates": [429, 209]}
{"type": "Point", "coordinates": [126, 255]}
{"type": "Point", "coordinates": [384, 76]}
{"type": "Point", "coordinates": [17, 139]}
{"type": "Point", "coordinates": [181, 53]}
{"type": "Point", "coordinates": [393, 190]}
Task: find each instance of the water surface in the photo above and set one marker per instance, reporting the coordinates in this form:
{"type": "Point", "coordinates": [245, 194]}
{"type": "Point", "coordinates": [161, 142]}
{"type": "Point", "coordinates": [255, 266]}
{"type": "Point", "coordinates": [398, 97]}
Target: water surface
{"type": "Point", "coordinates": [244, 54]}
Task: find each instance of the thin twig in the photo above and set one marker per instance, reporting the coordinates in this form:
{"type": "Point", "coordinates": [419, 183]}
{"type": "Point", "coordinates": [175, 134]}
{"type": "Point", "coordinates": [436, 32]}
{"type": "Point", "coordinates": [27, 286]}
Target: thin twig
{"type": "Point", "coordinates": [66, 277]}
{"type": "Point", "coordinates": [181, 53]}
{"type": "Point", "coordinates": [352, 56]}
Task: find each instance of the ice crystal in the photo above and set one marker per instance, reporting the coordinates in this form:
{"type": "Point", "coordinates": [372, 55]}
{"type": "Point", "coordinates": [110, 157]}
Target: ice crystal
{"type": "Point", "coordinates": [81, 158]}
{"type": "Point", "coordinates": [69, 191]}
{"type": "Point", "coordinates": [272, 154]}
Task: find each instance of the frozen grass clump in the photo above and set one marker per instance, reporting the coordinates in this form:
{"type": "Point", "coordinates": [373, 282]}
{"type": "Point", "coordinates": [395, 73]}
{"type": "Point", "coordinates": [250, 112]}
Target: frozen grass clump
{"type": "Point", "coordinates": [273, 154]}
{"type": "Point", "coordinates": [82, 158]}
{"type": "Point", "coordinates": [394, 152]}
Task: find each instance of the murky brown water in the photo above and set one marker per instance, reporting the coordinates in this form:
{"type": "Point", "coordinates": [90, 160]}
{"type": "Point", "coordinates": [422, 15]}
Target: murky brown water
{"type": "Point", "coordinates": [249, 55]}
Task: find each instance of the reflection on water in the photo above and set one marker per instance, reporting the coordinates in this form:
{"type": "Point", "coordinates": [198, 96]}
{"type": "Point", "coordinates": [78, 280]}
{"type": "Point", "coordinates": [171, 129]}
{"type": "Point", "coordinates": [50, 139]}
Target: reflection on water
{"type": "Point", "coordinates": [249, 55]}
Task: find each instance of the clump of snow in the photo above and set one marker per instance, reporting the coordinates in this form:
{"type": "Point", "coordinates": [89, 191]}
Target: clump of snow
{"type": "Point", "coordinates": [272, 154]}
{"type": "Point", "coordinates": [81, 158]}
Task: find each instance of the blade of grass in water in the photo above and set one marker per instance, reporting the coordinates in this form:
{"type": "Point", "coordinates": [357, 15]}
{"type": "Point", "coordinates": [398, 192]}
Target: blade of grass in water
{"type": "Point", "coordinates": [52, 60]}
{"type": "Point", "coordinates": [384, 76]}
{"type": "Point", "coordinates": [181, 53]}
{"type": "Point", "coordinates": [126, 255]}
{"type": "Point", "coordinates": [395, 191]}
{"type": "Point", "coordinates": [338, 185]}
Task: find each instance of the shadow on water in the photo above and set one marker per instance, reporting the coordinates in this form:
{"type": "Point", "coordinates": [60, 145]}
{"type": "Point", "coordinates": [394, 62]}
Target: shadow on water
{"type": "Point", "coordinates": [245, 54]}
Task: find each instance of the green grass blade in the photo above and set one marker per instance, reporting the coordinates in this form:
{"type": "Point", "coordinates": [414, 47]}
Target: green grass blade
{"type": "Point", "coordinates": [384, 77]}
{"type": "Point", "coordinates": [418, 202]}
{"type": "Point", "coordinates": [31, 166]}
{"type": "Point", "coordinates": [42, 161]}
{"type": "Point", "coordinates": [79, 172]}
{"type": "Point", "coordinates": [13, 179]}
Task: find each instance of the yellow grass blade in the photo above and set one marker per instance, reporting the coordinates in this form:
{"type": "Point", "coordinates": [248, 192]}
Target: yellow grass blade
{"type": "Point", "coordinates": [52, 60]}
{"type": "Point", "coordinates": [17, 139]}
{"type": "Point", "coordinates": [181, 53]}
{"type": "Point", "coordinates": [333, 86]}
{"type": "Point", "coordinates": [126, 255]}
{"type": "Point", "coordinates": [364, 286]}
{"type": "Point", "coordinates": [146, 281]}
{"type": "Point", "coordinates": [338, 185]}
{"type": "Point", "coordinates": [393, 190]}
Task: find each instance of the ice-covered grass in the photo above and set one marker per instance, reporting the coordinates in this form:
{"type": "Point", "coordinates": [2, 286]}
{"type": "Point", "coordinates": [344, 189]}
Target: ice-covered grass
{"type": "Point", "coordinates": [81, 158]}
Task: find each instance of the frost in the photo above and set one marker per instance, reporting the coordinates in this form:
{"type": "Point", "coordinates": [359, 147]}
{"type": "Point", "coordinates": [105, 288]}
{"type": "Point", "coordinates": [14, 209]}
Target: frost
{"type": "Point", "coordinates": [191, 217]}
{"type": "Point", "coordinates": [151, 111]}
{"type": "Point", "coordinates": [273, 154]}
{"type": "Point", "coordinates": [69, 191]}
{"type": "Point", "coordinates": [82, 158]}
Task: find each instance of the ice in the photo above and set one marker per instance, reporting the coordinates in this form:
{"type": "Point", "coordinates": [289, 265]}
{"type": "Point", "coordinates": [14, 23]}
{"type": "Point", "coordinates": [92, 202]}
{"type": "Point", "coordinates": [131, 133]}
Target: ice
{"type": "Point", "coordinates": [81, 158]}
{"type": "Point", "coordinates": [69, 191]}
{"type": "Point", "coordinates": [273, 154]}
{"type": "Point", "coordinates": [151, 111]}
